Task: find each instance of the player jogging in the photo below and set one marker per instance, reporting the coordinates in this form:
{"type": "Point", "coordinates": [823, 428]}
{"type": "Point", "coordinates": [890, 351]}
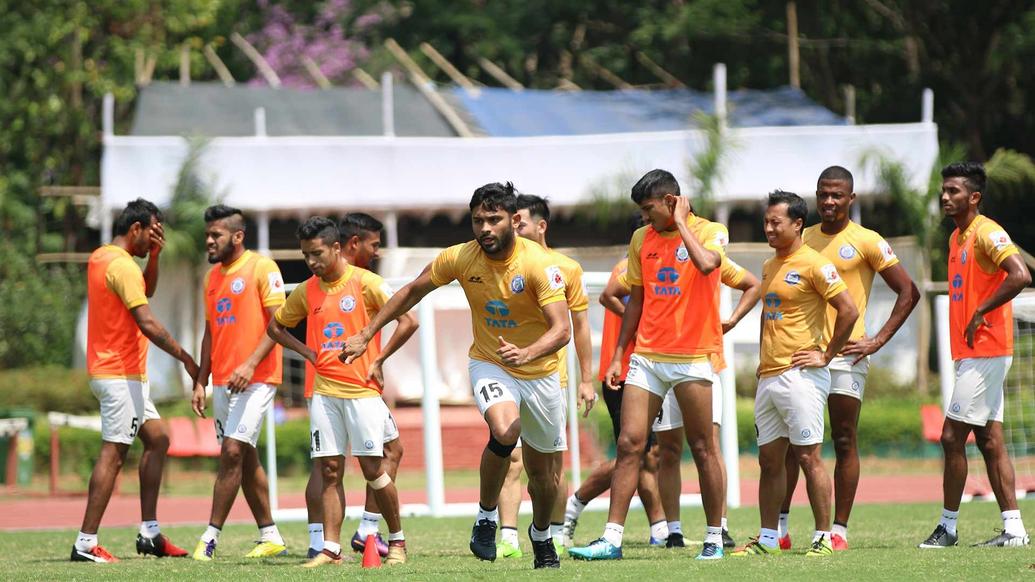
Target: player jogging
{"type": "Point", "coordinates": [985, 273]}
{"type": "Point", "coordinates": [857, 253]}
{"type": "Point", "coordinates": [347, 413]}
{"type": "Point", "coordinates": [673, 311]}
{"type": "Point", "coordinates": [534, 213]}
{"type": "Point", "coordinates": [519, 320]}
{"type": "Point", "coordinates": [242, 292]}
{"type": "Point", "coordinates": [119, 325]}
{"type": "Point", "coordinates": [793, 379]}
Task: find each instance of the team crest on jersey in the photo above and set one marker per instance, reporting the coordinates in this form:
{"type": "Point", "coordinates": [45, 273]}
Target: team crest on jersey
{"type": "Point", "coordinates": [830, 273]}
{"type": "Point", "coordinates": [347, 303]}
{"type": "Point", "coordinates": [792, 278]}
{"type": "Point", "coordinates": [846, 252]}
{"type": "Point", "coordinates": [682, 255]}
{"type": "Point", "coordinates": [554, 276]}
{"type": "Point", "coordinates": [517, 284]}
{"type": "Point", "coordinates": [237, 286]}
{"type": "Point", "coordinates": [1000, 240]}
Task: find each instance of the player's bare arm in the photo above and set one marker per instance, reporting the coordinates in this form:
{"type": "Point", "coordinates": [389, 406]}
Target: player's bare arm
{"type": "Point", "coordinates": [151, 269]}
{"type": "Point", "coordinates": [407, 324]}
{"type": "Point", "coordinates": [630, 321]}
{"type": "Point", "coordinates": [612, 295]}
{"type": "Point", "coordinates": [847, 313]}
{"type": "Point", "coordinates": [558, 332]}
{"type": "Point", "coordinates": [400, 303]}
{"type": "Point", "coordinates": [279, 333]}
{"type": "Point", "coordinates": [241, 377]}
{"type": "Point", "coordinates": [751, 289]}
{"type": "Point", "coordinates": [1017, 278]}
{"type": "Point", "coordinates": [197, 400]}
{"type": "Point", "coordinates": [584, 349]}
{"type": "Point", "coordinates": [705, 260]}
{"type": "Point", "coordinates": [161, 337]}
{"type": "Point", "coordinates": [907, 296]}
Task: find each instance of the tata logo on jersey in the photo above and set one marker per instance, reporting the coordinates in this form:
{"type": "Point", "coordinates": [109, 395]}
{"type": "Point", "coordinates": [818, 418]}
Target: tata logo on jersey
{"type": "Point", "coordinates": [498, 312]}
{"type": "Point", "coordinates": [957, 288]}
{"type": "Point", "coordinates": [772, 301]}
{"type": "Point", "coordinates": [223, 315]}
{"type": "Point", "coordinates": [333, 332]}
{"type": "Point", "coordinates": [667, 277]}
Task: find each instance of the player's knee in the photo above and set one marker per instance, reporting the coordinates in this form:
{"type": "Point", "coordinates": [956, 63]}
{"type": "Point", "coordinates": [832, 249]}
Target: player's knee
{"type": "Point", "coordinates": [670, 451]}
{"type": "Point", "coordinates": [379, 482]}
{"type": "Point", "coordinates": [950, 439]}
{"type": "Point", "coordinates": [700, 448]}
{"type": "Point", "coordinates": [395, 453]}
{"type": "Point", "coordinates": [158, 443]}
{"type": "Point", "coordinates": [988, 444]}
{"type": "Point", "coordinates": [808, 458]}
{"type": "Point", "coordinates": [233, 452]}
{"type": "Point", "coordinates": [500, 449]}
{"type": "Point", "coordinates": [330, 470]}
{"type": "Point", "coordinates": [844, 442]}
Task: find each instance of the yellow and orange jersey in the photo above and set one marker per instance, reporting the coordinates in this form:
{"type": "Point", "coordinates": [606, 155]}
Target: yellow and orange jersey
{"type": "Point", "coordinates": [795, 291]}
{"type": "Point", "coordinates": [334, 312]}
{"type": "Point", "coordinates": [236, 298]}
{"type": "Point", "coordinates": [506, 298]}
{"type": "Point", "coordinates": [680, 320]}
{"type": "Point", "coordinates": [858, 254]}
{"type": "Point", "coordinates": [574, 294]}
{"type": "Point", "coordinates": [115, 346]}
{"type": "Point", "coordinates": [974, 275]}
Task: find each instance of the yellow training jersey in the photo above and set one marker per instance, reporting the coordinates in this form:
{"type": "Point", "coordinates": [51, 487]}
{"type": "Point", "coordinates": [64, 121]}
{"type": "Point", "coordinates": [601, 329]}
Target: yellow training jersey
{"type": "Point", "coordinates": [795, 291]}
{"type": "Point", "coordinates": [506, 298]}
{"type": "Point", "coordinates": [857, 253]}
{"type": "Point", "coordinates": [574, 294]}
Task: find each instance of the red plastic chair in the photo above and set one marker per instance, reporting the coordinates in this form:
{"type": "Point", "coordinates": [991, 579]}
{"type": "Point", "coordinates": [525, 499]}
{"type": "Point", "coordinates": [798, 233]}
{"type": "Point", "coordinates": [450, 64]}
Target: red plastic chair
{"type": "Point", "coordinates": [933, 418]}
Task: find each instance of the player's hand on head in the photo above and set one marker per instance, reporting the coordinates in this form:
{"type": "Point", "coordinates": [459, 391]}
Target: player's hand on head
{"type": "Point", "coordinates": [681, 210]}
{"type": "Point", "coordinates": [976, 322]}
{"type": "Point", "coordinates": [157, 239]}
{"type": "Point", "coordinates": [197, 401]}
{"type": "Point", "coordinates": [808, 359]}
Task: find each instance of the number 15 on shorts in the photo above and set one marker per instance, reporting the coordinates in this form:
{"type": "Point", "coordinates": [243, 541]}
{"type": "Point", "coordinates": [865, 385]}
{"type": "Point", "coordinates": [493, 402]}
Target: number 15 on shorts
{"type": "Point", "coordinates": [491, 392]}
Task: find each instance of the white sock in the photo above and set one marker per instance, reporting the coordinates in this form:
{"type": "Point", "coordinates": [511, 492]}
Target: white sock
{"type": "Point", "coordinates": [573, 509]}
{"type": "Point", "coordinates": [840, 530]}
{"type": "Point", "coordinates": [369, 524]}
{"type": "Point", "coordinates": [332, 547]}
{"type": "Point", "coordinates": [725, 525]}
{"type": "Point", "coordinates": [211, 534]}
{"type": "Point", "coordinates": [492, 515]}
{"type": "Point", "coordinates": [948, 520]}
{"type": "Point", "coordinates": [396, 536]}
{"type": "Point", "coordinates": [1013, 524]}
{"type": "Point", "coordinates": [768, 537]}
{"type": "Point", "coordinates": [784, 527]}
{"type": "Point", "coordinates": [613, 534]}
{"type": "Point", "coordinates": [820, 534]}
{"type": "Point", "coordinates": [659, 530]}
{"type": "Point", "coordinates": [713, 535]}
{"type": "Point", "coordinates": [539, 536]}
{"type": "Point", "coordinates": [675, 527]}
{"type": "Point", "coordinates": [85, 542]}
{"type": "Point", "coordinates": [556, 529]}
{"type": "Point", "coordinates": [270, 533]}
{"type": "Point", "coordinates": [316, 536]}
{"type": "Point", "coordinates": [509, 535]}
{"type": "Point", "coordinates": [150, 529]}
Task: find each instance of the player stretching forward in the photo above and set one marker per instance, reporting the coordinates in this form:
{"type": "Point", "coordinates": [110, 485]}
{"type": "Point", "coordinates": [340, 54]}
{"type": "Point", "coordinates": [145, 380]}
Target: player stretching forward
{"type": "Point", "coordinates": [857, 253]}
{"type": "Point", "coordinates": [242, 292]}
{"type": "Point", "coordinates": [119, 325]}
{"type": "Point", "coordinates": [347, 412]}
{"type": "Point", "coordinates": [797, 285]}
{"type": "Point", "coordinates": [534, 215]}
{"type": "Point", "coordinates": [613, 299]}
{"type": "Point", "coordinates": [361, 242]}
{"type": "Point", "coordinates": [670, 421]}
{"type": "Point", "coordinates": [985, 273]}
{"type": "Point", "coordinates": [673, 311]}
{"type": "Point", "coordinates": [519, 320]}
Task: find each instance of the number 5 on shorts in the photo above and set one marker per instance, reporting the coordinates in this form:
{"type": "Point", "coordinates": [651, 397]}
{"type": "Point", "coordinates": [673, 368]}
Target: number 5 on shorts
{"type": "Point", "coordinates": [134, 427]}
{"type": "Point", "coordinates": [491, 391]}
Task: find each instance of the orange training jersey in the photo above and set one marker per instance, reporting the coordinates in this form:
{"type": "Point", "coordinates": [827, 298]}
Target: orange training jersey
{"type": "Point", "coordinates": [680, 320]}
{"type": "Point", "coordinates": [612, 328]}
{"type": "Point", "coordinates": [236, 298]}
{"type": "Point", "coordinates": [115, 346]}
{"type": "Point", "coordinates": [974, 275]}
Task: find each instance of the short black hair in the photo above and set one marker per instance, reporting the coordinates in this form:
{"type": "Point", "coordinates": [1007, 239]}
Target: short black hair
{"type": "Point", "coordinates": [319, 227]}
{"type": "Point", "coordinates": [495, 196]}
{"type": "Point", "coordinates": [356, 223]}
{"type": "Point", "coordinates": [139, 210]}
{"type": "Point", "coordinates": [221, 211]}
{"type": "Point", "coordinates": [536, 205]}
{"type": "Point", "coordinates": [796, 207]}
{"type": "Point", "coordinates": [838, 173]}
{"type": "Point", "coordinates": [973, 174]}
{"type": "Point", "coordinates": [653, 184]}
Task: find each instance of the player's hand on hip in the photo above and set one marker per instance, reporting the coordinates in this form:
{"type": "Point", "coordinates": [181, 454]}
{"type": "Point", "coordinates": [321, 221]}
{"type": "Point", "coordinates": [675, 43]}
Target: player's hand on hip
{"type": "Point", "coordinates": [376, 373]}
{"type": "Point", "coordinates": [976, 322]}
{"type": "Point", "coordinates": [240, 378]}
{"type": "Point", "coordinates": [808, 359]}
{"type": "Point", "coordinates": [587, 395]}
{"type": "Point", "coordinates": [197, 401]}
{"type": "Point", "coordinates": [861, 348]}
{"type": "Point", "coordinates": [355, 346]}
{"type": "Point", "coordinates": [511, 354]}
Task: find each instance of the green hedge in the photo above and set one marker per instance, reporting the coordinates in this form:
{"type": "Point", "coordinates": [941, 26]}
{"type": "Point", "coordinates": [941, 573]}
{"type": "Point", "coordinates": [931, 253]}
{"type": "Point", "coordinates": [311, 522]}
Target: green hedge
{"type": "Point", "coordinates": [48, 388]}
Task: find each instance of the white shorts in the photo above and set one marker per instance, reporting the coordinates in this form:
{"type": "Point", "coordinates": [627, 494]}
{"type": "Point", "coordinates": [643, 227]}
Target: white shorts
{"type": "Point", "coordinates": [792, 405]}
{"type": "Point", "coordinates": [661, 377]}
{"type": "Point", "coordinates": [239, 416]}
{"type": "Point", "coordinates": [391, 429]}
{"type": "Point", "coordinates": [671, 417]}
{"type": "Point", "coordinates": [977, 396]}
{"type": "Point", "coordinates": [358, 425]}
{"type": "Point", "coordinates": [846, 379]}
{"type": "Point", "coordinates": [125, 406]}
{"type": "Point", "coordinates": [541, 402]}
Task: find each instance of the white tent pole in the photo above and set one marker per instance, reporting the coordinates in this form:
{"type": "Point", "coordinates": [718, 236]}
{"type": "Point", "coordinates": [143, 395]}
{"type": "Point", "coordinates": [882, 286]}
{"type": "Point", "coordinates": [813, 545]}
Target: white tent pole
{"type": "Point", "coordinates": [430, 408]}
{"type": "Point", "coordinates": [728, 430]}
{"type": "Point", "coordinates": [719, 80]}
{"type": "Point", "coordinates": [574, 451]}
{"type": "Point", "coordinates": [387, 104]}
{"type": "Point", "coordinates": [260, 121]}
{"type": "Point", "coordinates": [263, 220]}
{"type": "Point", "coordinates": [946, 369]}
{"type": "Point", "coordinates": [927, 106]}
{"type": "Point", "coordinates": [391, 229]}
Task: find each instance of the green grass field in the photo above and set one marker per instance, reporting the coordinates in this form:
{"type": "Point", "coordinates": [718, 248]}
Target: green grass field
{"type": "Point", "coordinates": [882, 538]}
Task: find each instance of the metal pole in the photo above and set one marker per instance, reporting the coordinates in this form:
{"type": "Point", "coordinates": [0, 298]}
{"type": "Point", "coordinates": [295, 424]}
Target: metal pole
{"type": "Point", "coordinates": [946, 369]}
{"type": "Point", "coordinates": [263, 220]}
{"type": "Point", "coordinates": [387, 104]}
{"type": "Point", "coordinates": [574, 451]}
{"type": "Point", "coordinates": [260, 122]}
{"type": "Point", "coordinates": [728, 430]}
{"type": "Point", "coordinates": [391, 229]}
{"type": "Point", "coordinates": [430, 408]}
{"type": "Point", "coordinates": [927, 106]}
{"type": "Point", "coordinates": [719, 80]}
